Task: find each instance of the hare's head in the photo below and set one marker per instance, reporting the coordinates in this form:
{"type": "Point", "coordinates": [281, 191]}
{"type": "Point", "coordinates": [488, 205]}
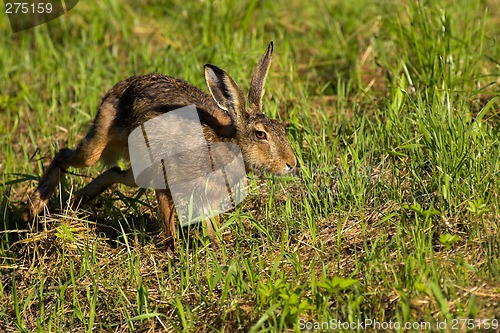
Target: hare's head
{"type": "Point", "coordinates": [263, 141]}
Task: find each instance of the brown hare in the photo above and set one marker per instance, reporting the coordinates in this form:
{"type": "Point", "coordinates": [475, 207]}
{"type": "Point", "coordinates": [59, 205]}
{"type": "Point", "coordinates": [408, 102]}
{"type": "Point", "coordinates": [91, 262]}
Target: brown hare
{"type": "Point", "coordinates": [225, 116]}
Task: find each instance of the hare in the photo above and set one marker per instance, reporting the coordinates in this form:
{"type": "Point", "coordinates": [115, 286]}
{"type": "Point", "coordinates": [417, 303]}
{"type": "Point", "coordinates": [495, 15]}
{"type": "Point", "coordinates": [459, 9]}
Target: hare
{"type": "Point", "coordinates": [224, 116]}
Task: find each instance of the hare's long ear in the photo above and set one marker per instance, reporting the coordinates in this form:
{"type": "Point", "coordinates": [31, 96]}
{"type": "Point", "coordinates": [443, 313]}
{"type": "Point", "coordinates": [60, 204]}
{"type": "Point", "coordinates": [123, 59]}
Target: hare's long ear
{"type": "Point", "coordinates": [259, 80]}
{"type": "Point", "coordinates": [225, 91]}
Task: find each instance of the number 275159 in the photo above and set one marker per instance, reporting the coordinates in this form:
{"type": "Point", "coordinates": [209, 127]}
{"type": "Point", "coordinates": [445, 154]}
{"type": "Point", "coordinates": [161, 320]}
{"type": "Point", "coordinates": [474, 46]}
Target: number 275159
{"type": "Point", "coordinates": [27, 8]}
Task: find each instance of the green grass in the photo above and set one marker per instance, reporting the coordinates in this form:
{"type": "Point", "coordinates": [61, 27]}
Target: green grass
{"type": "Point", "coordinates": [393, 113]}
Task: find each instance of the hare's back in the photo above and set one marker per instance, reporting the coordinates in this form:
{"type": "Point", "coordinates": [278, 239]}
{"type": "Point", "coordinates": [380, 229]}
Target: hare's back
{"type": "Point", "coordinates": [141, 98]}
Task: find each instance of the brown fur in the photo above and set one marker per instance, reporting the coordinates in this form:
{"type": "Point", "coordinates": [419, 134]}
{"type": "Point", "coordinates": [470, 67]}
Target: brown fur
{"type": "Point", "coordinates": [134, 101]}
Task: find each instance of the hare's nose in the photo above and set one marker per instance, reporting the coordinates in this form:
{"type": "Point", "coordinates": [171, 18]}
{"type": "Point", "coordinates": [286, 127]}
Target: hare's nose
{"type": "Point", "coordinates": [291, 162]}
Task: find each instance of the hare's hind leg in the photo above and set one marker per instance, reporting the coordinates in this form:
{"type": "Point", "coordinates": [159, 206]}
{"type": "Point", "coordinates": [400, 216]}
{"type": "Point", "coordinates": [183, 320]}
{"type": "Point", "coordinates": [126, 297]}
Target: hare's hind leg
{"type": "Point", "coordinates": [112, 176]}
{"type": "Point", "coordinates": [87, 153]}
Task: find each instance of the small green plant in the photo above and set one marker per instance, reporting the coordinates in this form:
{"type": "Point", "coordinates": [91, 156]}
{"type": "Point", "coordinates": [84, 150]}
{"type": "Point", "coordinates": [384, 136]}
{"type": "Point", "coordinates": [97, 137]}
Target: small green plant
{"type": "Point", "coordinates": [448, 240]}
{"type": "Point", "coordinates": [477, 207]}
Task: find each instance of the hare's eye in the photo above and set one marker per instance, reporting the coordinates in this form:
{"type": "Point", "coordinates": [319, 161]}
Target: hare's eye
{"type": "Point", "coordinates": [261, 135]}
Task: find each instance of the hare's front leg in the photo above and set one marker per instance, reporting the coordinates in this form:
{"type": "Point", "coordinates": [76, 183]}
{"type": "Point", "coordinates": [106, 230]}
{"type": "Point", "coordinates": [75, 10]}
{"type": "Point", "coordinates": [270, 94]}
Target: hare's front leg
{"type": "Point", "coordinates": [211, 230]}
{"type": "Point", "coordinates": [167, 210]}
{"type": "Point", "coordinates": [167, 214]}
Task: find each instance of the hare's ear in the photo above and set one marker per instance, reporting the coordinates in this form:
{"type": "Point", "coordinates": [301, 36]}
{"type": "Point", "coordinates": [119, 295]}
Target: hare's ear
{"type": "Point", "coordinates": [225, 91]}
{"type": "Point", "coordinates": [259, 79]}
